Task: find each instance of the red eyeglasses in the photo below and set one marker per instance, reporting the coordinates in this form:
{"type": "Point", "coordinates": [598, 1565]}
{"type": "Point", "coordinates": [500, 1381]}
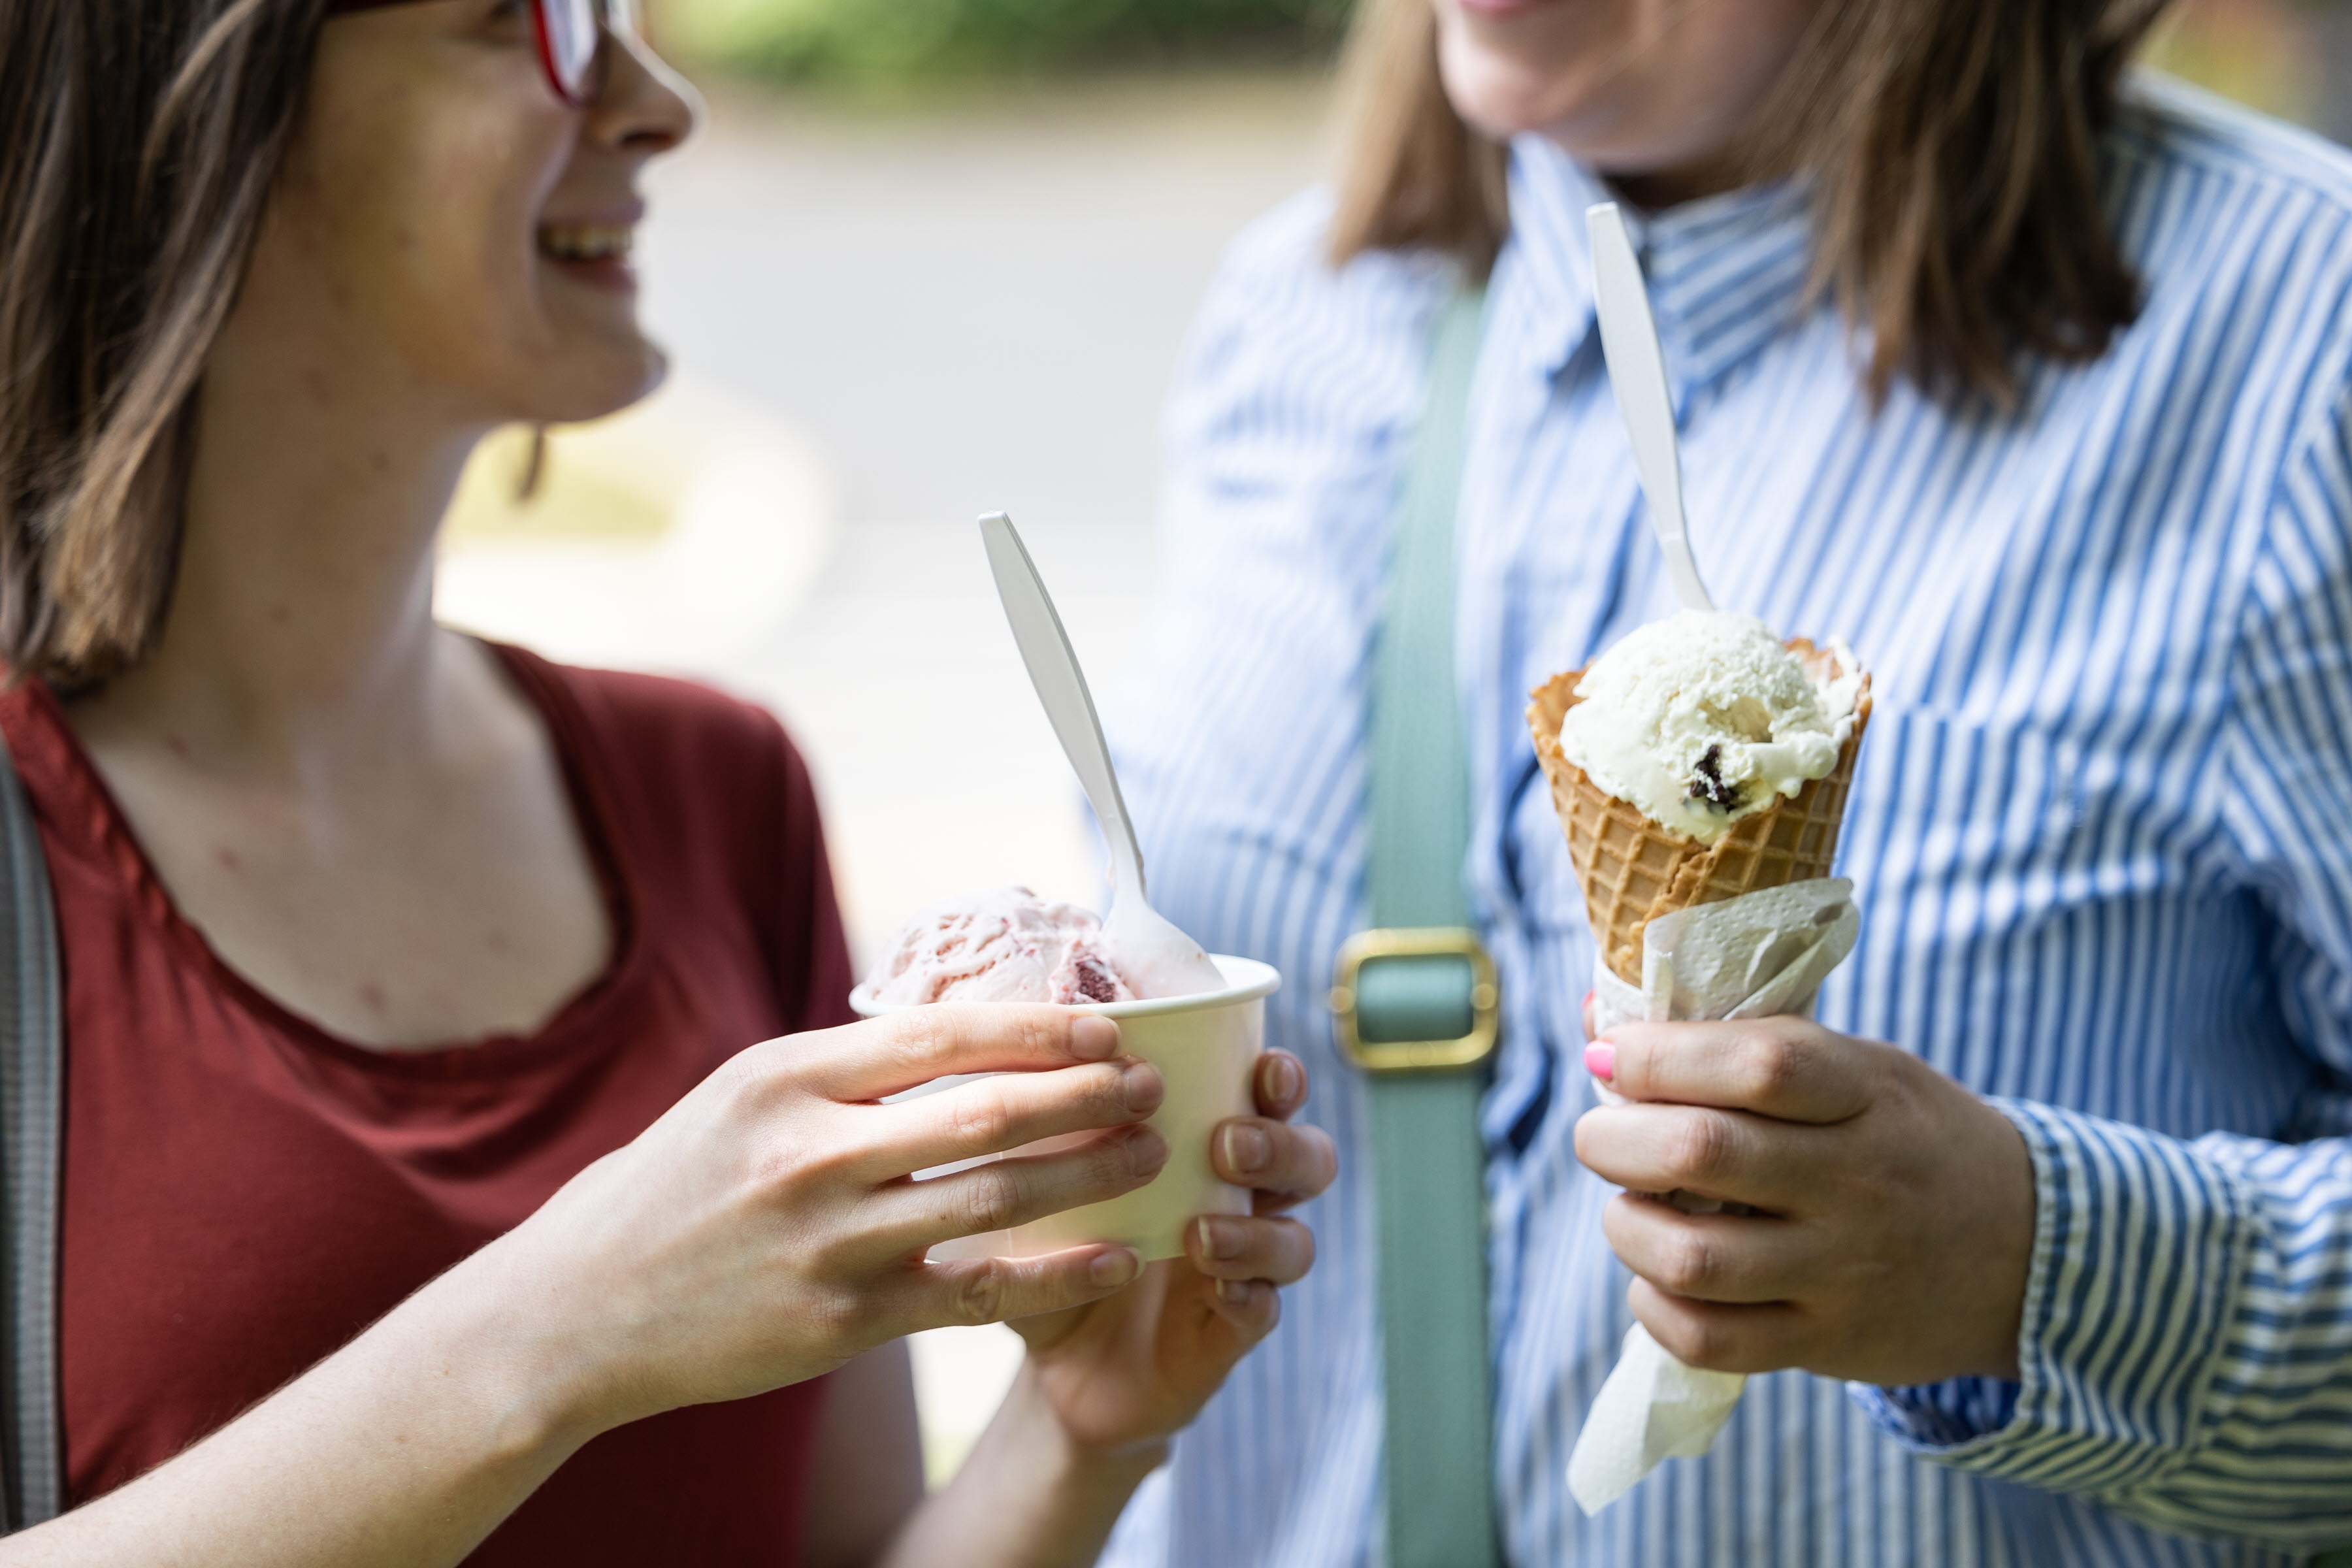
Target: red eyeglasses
{"type": "Point", "coordinates": [571, 39]}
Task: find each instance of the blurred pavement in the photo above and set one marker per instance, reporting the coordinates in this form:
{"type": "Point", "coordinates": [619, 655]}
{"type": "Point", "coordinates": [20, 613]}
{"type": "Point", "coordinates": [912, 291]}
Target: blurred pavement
{"type": "Point", "coordinates": [967, 306]}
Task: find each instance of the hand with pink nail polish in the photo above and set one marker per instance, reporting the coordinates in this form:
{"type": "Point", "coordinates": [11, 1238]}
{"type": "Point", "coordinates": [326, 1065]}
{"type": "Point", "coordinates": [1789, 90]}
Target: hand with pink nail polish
{"type": "Point", "coordinates": [1128, 1372]}
{"type": "Point", "coordinates": [1872, 1219]}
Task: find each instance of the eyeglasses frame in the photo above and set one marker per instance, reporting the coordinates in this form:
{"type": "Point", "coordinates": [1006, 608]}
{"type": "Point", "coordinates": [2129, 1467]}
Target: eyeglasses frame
{"type": "Point", "coordinates": [607, 10]}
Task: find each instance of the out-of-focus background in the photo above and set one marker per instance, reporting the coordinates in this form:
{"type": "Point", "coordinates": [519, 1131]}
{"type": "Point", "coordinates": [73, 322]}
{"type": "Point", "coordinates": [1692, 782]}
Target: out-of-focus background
{"type": "Point", "coordinates": [933, 258]}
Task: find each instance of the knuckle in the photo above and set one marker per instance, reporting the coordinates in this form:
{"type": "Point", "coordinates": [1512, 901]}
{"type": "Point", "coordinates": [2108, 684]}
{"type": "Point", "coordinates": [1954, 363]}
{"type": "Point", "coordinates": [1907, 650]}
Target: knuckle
{"type": "Point", "coordinates": [1105, 1099]}
{"type": "Point", "coordinates": [1044, 1032]}
{"type": "Point", "coordinates": [979, 1297]}
{"type": "Point", "coordinates": [1772, 1064]}
{"type": "Point", "coordinates": [1689, 1264]}
{"type": "Point", "coordinates": [1701, 1147]}
{"type": "Point", "coordinates": [783, 1167]}
{"type": "Point", "coordinates": [991, 1197]}
{"type": "Point", "coordinates": [1701, 1341]}
{"type": "Point", "coordinates": [743, 1082]}
{"type": "Point", "coordinates": [984, 1116]}
{"type": "Point", "coordinates": [840, 1312]}
{"type": "Point", "coordinates": [925, 1042]}
{"type": "Point", "coordinates": [1122, 1160]}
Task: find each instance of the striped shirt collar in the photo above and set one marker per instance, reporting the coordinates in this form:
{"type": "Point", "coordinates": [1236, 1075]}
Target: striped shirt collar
{"type": "Point", "coordinates": [1727, 274]}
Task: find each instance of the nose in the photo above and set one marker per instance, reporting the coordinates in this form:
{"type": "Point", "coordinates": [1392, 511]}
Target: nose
{"type": "Point", "coordinates": [645, 107]}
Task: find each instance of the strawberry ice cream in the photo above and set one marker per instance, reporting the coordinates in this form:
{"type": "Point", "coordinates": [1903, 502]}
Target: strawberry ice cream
{"type": "Point", "coordinates": [1002, 945]}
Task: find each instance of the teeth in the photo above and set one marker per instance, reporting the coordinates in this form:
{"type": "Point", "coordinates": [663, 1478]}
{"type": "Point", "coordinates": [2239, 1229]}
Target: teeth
{"type": "Point", "coordinates": [586, 241]}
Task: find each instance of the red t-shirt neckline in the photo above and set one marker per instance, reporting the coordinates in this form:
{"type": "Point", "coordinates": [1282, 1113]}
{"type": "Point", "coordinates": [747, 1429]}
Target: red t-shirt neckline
{"type": "Point", "coordinates": [581, 1024]}
{"type": "Point", "coordinates": [243, 1193]}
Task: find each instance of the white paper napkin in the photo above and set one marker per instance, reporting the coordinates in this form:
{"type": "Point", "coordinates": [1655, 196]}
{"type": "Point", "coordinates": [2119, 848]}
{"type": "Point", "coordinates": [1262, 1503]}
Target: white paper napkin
{"type": "Point", "coordinates": [1758, 956]}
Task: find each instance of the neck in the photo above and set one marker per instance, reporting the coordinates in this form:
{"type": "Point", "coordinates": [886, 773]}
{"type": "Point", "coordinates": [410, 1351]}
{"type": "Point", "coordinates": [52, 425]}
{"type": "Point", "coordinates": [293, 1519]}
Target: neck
{"type": "Point", "coordinates": [1657, 192]}
{"type": "Point", "coordinates": [302, 614]}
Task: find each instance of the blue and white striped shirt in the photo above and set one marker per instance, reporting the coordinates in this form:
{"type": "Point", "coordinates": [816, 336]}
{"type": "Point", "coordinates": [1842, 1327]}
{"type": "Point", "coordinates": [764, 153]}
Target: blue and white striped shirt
{"type": "Point", "coordinates": [2101, 834]}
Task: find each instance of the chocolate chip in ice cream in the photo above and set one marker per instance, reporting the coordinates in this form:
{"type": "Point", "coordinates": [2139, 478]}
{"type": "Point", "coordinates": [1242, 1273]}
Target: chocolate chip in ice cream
{"type": "Point", "coordinates": [1707, 782]}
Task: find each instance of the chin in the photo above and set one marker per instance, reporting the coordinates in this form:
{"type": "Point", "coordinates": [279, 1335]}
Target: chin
{"type": "Point", "coordinates": [1501, 97]}
{"type": "Point", "coordinates": [577, 389]}
{"type": "Point", "coordinates": [1498, 96]}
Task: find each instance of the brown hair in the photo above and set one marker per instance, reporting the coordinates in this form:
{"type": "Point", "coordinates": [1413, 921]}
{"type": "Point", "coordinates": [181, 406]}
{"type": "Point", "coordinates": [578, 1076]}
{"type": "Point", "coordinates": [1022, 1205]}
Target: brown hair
{"type": "Point", "coordinates": [1953, 147]}
{"type": "Point", "coordinates": [138, 143]}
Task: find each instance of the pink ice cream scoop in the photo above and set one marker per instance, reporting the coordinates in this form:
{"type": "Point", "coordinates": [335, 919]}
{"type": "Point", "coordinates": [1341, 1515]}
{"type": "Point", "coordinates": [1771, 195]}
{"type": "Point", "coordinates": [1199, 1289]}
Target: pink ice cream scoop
{"type": "Point", "coordinates": [1003, 944]}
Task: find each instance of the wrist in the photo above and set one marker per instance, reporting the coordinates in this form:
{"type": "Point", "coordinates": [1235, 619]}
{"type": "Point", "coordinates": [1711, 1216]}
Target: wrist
{"type": "Point", "coordinates": [483, 1334]}
{"type": "Point", "coordinates": [1068, 1453]}
{"type": "Point", "coordinates": [1032, 1492]}
{"type": "Point", "coordinates": [2004, 1249]}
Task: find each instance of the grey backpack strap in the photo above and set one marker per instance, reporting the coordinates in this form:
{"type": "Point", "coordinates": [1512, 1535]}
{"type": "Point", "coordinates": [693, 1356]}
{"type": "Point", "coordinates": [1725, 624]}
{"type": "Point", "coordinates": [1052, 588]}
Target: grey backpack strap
{"type": "Point", "coordinates": [32, 1108]}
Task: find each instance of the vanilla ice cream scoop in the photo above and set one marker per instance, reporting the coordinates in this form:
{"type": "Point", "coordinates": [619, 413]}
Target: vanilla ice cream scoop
{"type": "Point", "coordinates": [1704, 718]}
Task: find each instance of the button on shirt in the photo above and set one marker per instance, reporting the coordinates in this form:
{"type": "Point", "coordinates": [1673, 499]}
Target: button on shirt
{"type": "Point", "coordinates": [2102, 835]}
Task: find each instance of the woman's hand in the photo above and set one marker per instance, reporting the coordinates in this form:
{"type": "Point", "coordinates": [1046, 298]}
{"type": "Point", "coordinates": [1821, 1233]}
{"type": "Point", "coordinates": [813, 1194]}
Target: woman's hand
{"type": "Point", "coordinates": [1134, 1370]}
{"type": "Point", "coordinates": [1895, 1217]}
{"type": "Point", "coordinates": [765, 1230]}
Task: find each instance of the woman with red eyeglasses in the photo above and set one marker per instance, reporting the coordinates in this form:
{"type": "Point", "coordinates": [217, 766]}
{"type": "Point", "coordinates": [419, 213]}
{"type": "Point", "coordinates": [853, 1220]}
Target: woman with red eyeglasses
{"type": "Point", "coordinates": [425, 1196]}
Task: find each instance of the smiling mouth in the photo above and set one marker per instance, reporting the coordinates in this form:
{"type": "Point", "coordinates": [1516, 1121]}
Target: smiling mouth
{"type": "Point", "coordinates": [588, 242]}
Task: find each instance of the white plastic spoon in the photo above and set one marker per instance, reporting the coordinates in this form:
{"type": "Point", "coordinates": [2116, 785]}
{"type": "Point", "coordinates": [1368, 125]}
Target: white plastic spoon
{"type": "Point", "coordinates": [1158, 959]}
{"type": "Point", "coordinates": [1637, 370]}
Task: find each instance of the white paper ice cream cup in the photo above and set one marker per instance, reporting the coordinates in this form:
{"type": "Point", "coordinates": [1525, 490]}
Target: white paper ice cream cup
{"type": "Point", "coordinates": [1206, 1047]}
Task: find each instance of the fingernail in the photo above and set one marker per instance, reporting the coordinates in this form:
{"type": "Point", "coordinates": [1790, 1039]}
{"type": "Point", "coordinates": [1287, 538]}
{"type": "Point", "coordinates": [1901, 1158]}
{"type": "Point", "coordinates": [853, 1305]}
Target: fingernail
{"type": "Point", "coordinates": [1146, 1152]}
{"type": "Point", "coordinates": [1247, 1150]}
{"type": "Point", "coordinates": [1601, 1060]}
{"type": "Point", "coordinates": [1283, 1082]}
{"type": "Point", "coordinates": [1094, 1039]}
{"type": "Point", "coordinates": [1113, 1269]}
{"type": "Point", "coordinates": [1236, 1292]}
{"type": "Point", "coordinates": [1217, 1241]}
{"type": "Point", "coordinates": [1141, 1086]}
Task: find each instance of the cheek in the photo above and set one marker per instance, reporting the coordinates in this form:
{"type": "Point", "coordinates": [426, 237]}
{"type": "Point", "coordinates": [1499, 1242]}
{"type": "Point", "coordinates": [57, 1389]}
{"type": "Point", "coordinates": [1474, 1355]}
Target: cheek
{"type": "Point", "coordinates": [462, 221]}
{"type": "Point", "coordinates": [426, 210]}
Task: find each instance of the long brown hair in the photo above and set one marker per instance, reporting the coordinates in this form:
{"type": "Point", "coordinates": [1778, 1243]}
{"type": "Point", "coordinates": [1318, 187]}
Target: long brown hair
{"type": "Point", "coordinates": [1952, 147]}
{"type": "Point", "coordinates": [138, 143]}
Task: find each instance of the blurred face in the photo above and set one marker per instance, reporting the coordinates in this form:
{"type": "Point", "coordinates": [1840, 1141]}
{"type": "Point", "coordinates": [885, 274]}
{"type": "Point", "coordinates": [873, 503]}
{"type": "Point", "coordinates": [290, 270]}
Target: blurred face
{"type": "Point", "coordinates": [1632, 88]}
{"type": "Point", "coordinates": [446, 222]}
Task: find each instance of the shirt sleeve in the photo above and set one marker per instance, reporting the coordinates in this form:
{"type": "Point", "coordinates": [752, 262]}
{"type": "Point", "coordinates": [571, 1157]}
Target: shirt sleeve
{"type": "Point", "coordinates": [2187, 1345]}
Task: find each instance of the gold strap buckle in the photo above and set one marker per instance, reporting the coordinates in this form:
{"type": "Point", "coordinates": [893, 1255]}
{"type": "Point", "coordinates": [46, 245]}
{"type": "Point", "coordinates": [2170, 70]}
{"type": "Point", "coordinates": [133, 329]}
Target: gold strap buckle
{"type": "Point", "coordinates": [1416, 1056]}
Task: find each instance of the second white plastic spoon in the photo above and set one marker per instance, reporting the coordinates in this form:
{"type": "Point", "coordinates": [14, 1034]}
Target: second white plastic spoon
{"type": "Point", "coordinates": [1637, 370]}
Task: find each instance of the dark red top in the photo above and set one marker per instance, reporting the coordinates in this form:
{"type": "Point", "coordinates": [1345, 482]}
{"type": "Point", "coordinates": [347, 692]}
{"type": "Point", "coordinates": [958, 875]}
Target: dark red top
{"type": "Point", "coordinates": [244, 1191]}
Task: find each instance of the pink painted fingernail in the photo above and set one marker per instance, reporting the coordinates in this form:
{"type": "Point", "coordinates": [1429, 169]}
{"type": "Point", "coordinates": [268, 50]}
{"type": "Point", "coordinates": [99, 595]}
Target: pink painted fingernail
{"type": "Point", "coordinates": [1601, 1060]}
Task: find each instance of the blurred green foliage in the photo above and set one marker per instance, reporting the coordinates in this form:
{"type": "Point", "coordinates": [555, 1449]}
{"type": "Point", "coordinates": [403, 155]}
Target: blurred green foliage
{"type": "Point", "coordinates": [883, 40]}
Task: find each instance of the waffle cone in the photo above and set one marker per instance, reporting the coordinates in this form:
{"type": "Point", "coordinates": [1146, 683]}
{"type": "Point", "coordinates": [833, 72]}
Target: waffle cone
{"type": "Point", "coordinates": [1633, 870]}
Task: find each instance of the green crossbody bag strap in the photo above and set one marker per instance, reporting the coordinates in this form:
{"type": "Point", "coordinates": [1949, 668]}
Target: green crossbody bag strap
{"type": "Point", "coordinates": [1422, 998]}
